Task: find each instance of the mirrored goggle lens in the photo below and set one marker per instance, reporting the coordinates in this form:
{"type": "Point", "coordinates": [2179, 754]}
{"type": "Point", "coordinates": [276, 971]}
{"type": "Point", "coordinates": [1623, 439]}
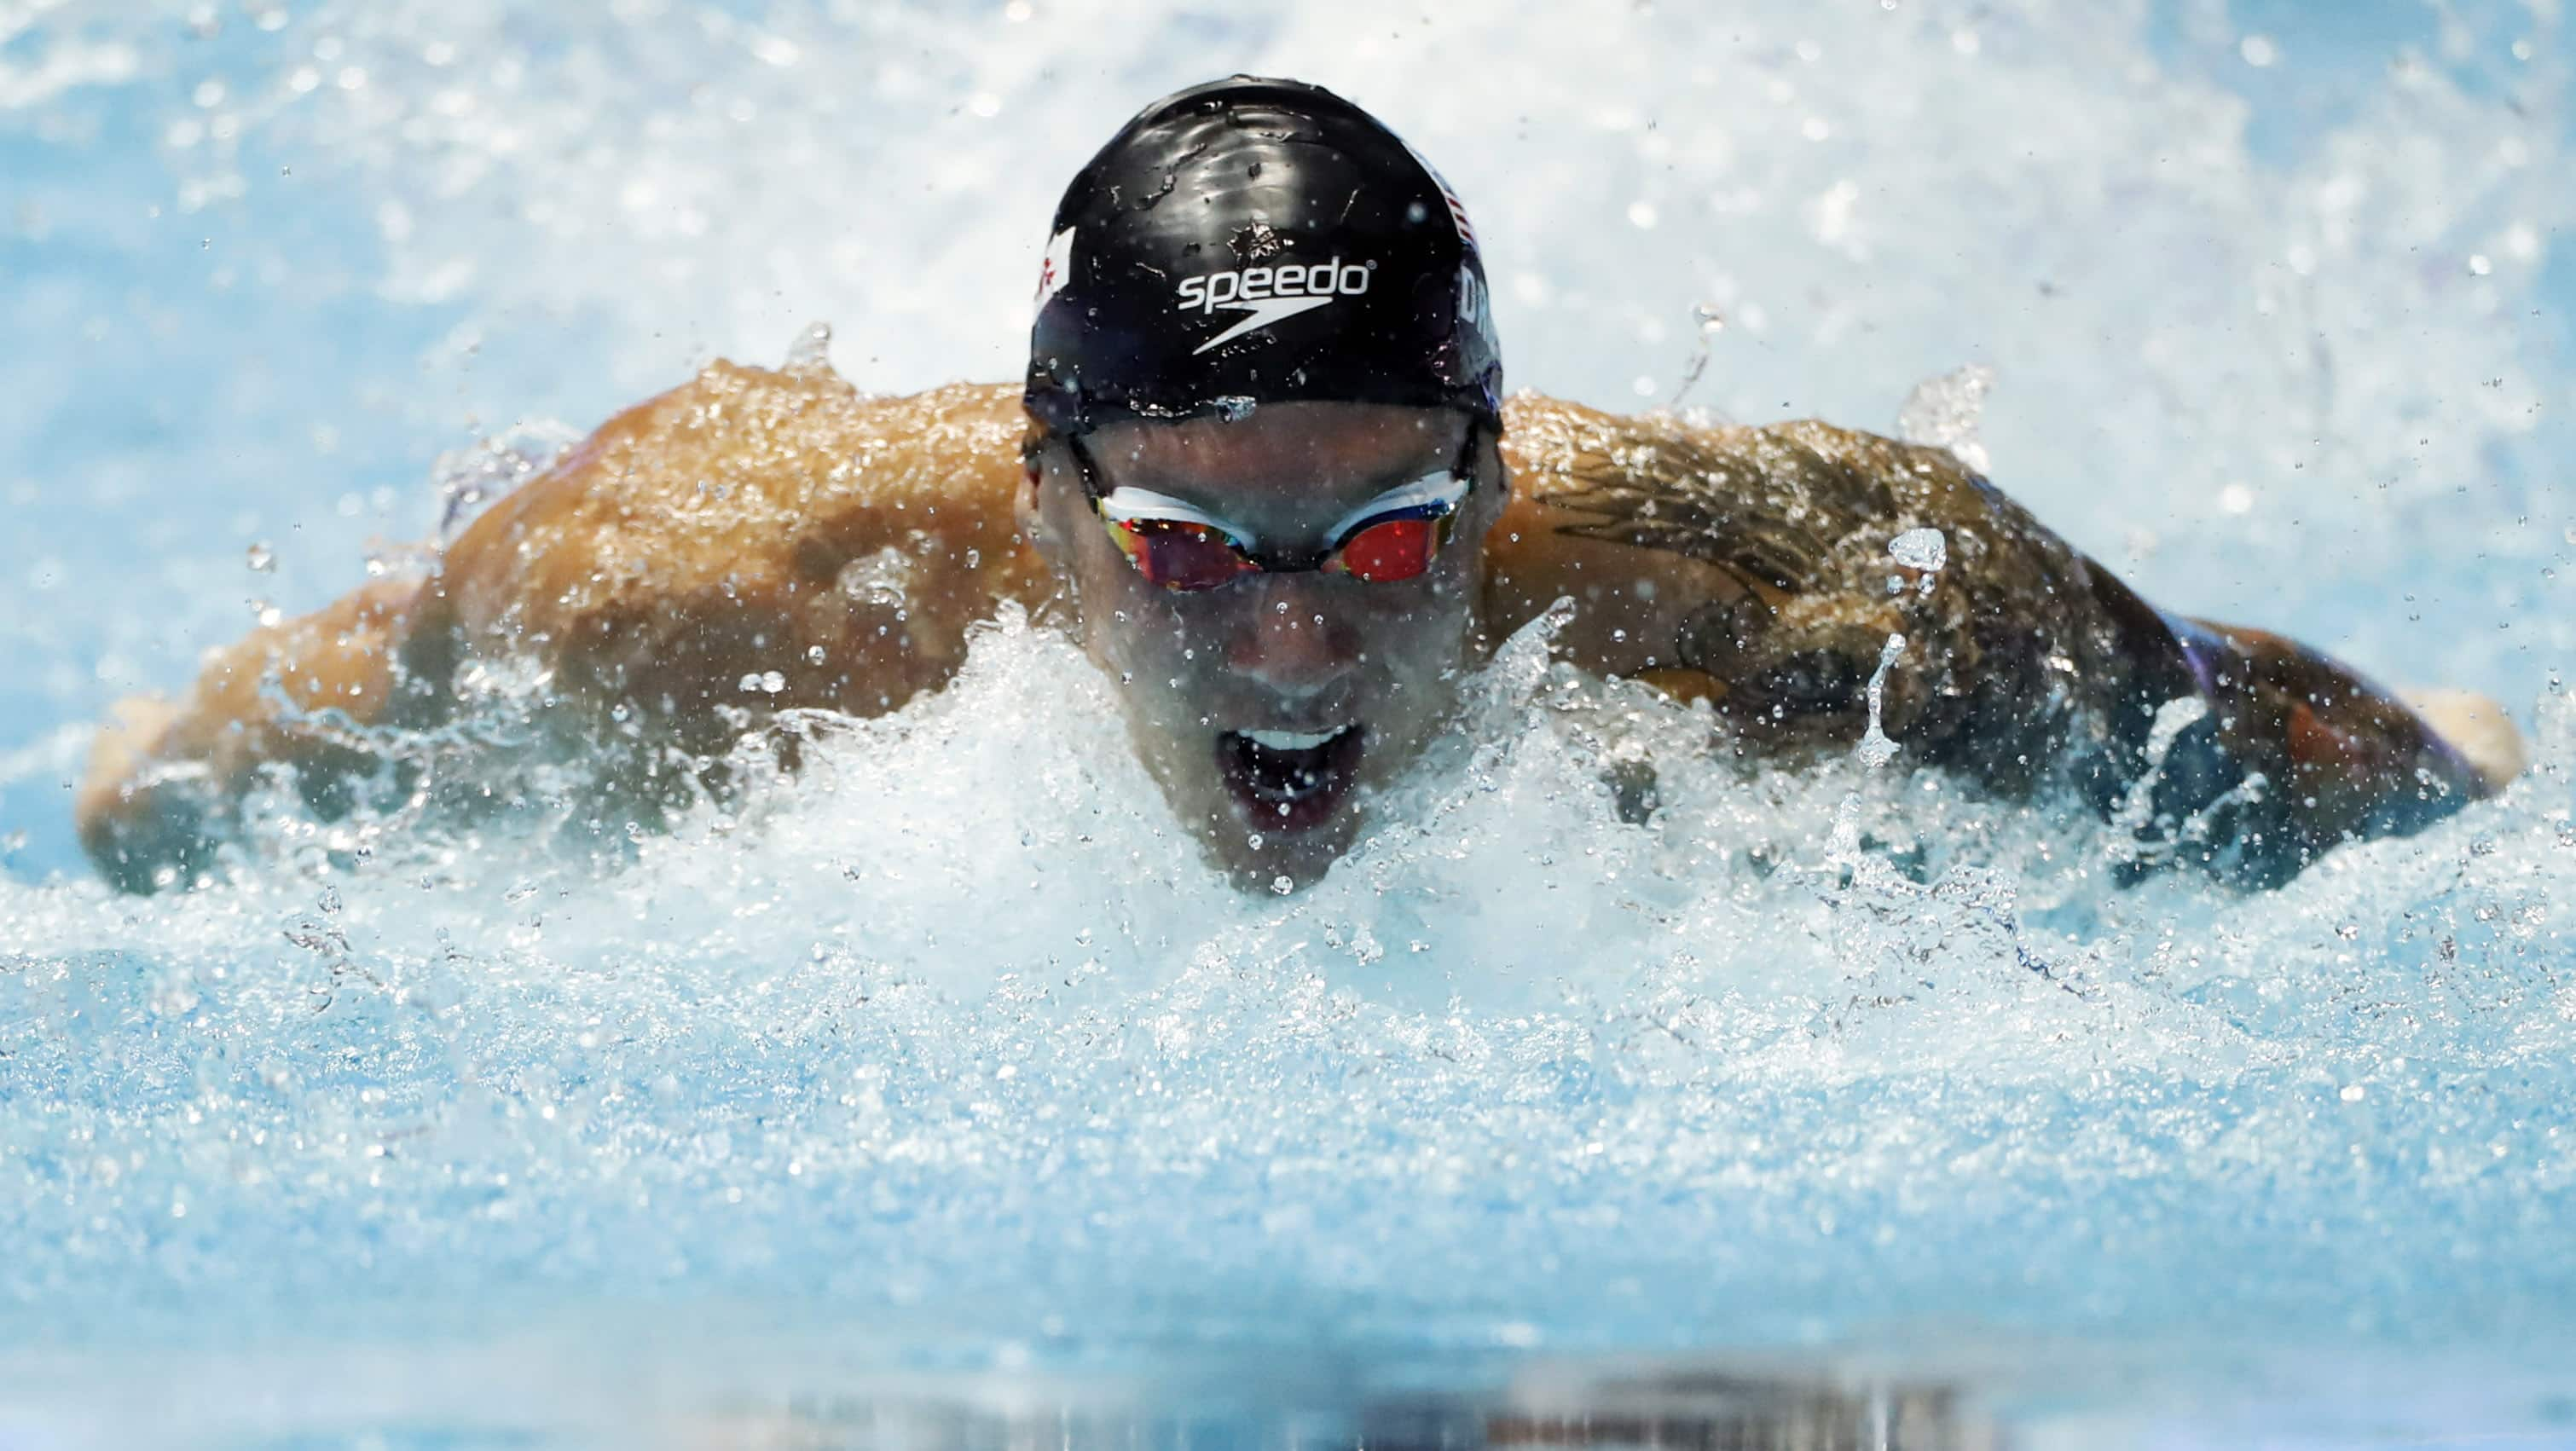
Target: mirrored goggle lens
{"type": "Point", "coordinates": [1178, 554]}
{"type": "Point", "coordinates": [1392, 549]}
{"type": "Point", "coordinates": [1182, 554]}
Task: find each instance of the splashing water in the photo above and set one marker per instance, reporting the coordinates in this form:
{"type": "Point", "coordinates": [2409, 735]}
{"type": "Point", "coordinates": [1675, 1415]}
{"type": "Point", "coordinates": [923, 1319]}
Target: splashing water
{"type": "Point", "coordinates": [812, 350]}
{"type": "Point", "coordinates": [1944, 412]}
{"type": "Point", "coordinates": [1924, 549]}
{"type": "Point", "coordinates": [471, 479]}
{"type": "Point", "coordinates": [947, 1055]}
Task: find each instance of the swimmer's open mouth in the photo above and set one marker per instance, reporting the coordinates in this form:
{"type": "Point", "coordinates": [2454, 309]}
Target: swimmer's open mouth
{"type": "Point", "coordinates": [1290, 780]}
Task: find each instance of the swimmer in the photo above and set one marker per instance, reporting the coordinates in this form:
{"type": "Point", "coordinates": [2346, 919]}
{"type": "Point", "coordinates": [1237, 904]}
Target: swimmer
{"type": "Point", "coordinates": [1263, 470]}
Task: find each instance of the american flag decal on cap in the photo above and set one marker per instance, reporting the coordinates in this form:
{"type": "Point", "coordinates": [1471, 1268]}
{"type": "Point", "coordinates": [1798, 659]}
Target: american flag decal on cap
{"type": "Point", "coordinates": [1457, 208]}
{"type": "Point", "coordinates": [1457, 212]}
{"type": "Point", "coordinates": [1057, 270]}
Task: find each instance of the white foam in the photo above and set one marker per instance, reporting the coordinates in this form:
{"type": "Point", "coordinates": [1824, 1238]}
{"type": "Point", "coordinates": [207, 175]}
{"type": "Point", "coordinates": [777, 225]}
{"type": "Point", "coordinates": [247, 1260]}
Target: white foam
{"type": "Point", "coordinates": [957, 1035]}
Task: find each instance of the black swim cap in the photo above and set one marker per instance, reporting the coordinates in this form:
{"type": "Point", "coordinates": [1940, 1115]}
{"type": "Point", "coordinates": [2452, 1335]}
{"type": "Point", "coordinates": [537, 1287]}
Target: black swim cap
{"type": "Point", "coordinates": [1255, 241]}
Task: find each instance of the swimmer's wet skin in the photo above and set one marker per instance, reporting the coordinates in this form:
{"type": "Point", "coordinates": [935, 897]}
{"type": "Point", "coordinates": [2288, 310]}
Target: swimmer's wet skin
{"type": "Point", "coordinates": [1261, 468]}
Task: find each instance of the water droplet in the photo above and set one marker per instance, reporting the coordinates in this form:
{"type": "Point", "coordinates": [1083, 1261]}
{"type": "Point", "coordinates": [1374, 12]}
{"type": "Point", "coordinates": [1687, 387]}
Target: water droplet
{"type": "Point", "coordinates": [1920, 549]}
{"type": "Point", "coordinates": [471, 477]}
{"type": "Point", "coordinates": [1876, 749]}
{"type": "Point", "coordinates": [1282, 885]}
{"type": "Point", "coordinates": [811, 352]}
{"type": "Point", "coordinates": [1943, 412]}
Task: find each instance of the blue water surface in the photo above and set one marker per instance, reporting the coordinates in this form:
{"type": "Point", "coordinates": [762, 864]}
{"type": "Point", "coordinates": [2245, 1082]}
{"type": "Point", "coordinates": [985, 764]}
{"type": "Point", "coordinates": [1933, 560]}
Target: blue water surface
{"type": "Point", "coordinates": [942, 1095]}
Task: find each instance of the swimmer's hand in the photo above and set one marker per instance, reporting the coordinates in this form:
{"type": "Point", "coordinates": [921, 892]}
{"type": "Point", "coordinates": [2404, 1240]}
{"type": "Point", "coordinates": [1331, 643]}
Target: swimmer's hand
{"type": "Point", "coordinates": [165, 776]}
{"type": "Point", "coordinates": [132, 825]}
{"type": "Point", "coordinates": [2477, 727]}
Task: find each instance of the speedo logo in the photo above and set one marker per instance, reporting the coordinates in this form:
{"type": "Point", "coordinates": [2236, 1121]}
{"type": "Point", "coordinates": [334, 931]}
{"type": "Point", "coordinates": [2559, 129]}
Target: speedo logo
{"type": "Point", "coordinates": [1267, 294]}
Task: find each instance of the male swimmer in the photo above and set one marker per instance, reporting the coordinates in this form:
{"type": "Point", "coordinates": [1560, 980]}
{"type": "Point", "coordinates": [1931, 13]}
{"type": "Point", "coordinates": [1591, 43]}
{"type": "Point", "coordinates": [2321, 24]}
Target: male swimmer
{"type": "Point", "coordinates": [1263, 470]}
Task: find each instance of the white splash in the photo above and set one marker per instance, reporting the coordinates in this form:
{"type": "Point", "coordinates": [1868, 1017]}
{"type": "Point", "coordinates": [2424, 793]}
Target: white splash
{"type": "Point", "coordinates": [952, 1033]}
{"type": "Point", "coordinates": [1944, 412]}
{"type": "Point", "coordinates": [1926, 549]}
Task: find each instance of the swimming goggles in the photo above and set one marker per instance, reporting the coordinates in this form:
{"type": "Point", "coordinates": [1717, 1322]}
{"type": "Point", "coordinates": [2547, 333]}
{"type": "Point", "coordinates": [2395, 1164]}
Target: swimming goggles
{"type": "Point", "coordinates": [1180, 547]}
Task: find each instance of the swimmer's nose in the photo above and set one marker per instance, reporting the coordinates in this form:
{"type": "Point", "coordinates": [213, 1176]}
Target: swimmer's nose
{"type": "Point", "coordinates": [1292, 643]}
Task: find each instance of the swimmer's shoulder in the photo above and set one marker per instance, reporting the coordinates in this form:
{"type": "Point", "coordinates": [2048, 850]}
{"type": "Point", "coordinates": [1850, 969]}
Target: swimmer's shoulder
{"type": "Point", "coordinates": [1720, 561]}
{"type": "Point", "coordinates": [1764, 556]}
{"type": "Point", "coordinates": [749, 538]}
{"type": "Point", "coordinates": [743, 481]}
{"type": "Point", "coordinates": [1562, 452]}
{"type": "Point", "coordinates": [774, 526]}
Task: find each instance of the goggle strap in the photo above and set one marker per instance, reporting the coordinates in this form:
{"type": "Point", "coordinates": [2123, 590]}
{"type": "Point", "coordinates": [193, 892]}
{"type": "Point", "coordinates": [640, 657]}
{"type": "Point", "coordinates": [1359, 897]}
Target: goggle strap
{"type": "Point", "coordinates": [1438, 493]}
{"type": "Point", "coordinates": [1123, 504]}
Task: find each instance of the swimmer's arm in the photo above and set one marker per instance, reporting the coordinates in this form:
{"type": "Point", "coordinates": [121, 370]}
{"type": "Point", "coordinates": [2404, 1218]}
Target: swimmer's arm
{"type": "Point", "coordinates": [1711, 563]}
{"type": "Point", "coordinates": [165, 778]}
{"type": "Point", "coordinates": [706, 553]}
{"type": "Point", "coordinates": [1783, 626]}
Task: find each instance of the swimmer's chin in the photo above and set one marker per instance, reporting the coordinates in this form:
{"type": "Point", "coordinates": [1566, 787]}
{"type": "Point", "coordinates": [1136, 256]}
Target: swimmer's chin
{"type": "Point", "coordinates": [1282, 866]}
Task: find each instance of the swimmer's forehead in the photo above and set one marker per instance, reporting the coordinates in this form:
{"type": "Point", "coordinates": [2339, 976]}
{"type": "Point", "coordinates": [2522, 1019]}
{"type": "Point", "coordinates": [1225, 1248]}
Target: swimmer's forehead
{"type": "Point", "coordinates": [1284, 464]}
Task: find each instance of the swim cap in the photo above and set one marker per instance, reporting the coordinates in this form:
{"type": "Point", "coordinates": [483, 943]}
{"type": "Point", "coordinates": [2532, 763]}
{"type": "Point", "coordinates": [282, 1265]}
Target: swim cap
{"type": "Point", "coordinates": [1252, 241]}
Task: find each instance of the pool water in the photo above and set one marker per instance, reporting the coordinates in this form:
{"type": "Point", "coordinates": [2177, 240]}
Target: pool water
{"type": "Point", "coordinates": [941, 1095]}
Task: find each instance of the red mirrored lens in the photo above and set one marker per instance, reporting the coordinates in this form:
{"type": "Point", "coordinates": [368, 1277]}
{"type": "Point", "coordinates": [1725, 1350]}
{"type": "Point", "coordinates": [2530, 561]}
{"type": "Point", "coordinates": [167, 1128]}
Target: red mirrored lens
{"type": "Point", "coordinates": [1384, 553]}
{"type": "Point", "coordinates": [1180, 555]}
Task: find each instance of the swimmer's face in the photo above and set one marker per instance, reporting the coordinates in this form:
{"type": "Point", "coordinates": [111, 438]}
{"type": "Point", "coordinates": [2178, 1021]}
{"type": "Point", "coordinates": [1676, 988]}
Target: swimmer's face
{"type": "Point", "coordinates": [1274, 706]}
